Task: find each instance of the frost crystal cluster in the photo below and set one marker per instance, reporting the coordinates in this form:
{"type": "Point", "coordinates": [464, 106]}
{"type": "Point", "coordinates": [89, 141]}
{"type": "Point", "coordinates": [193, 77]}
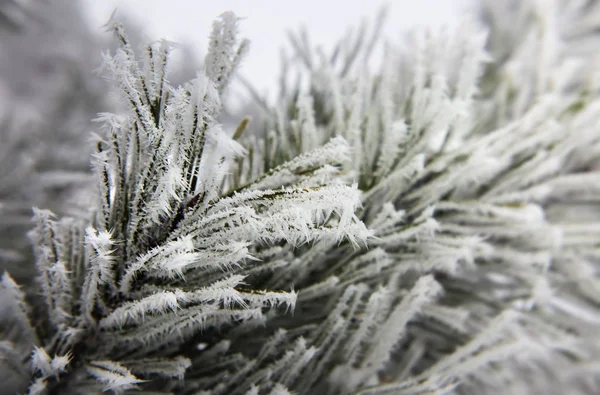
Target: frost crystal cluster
{"type": "Point", "coordinates": [428, 227]}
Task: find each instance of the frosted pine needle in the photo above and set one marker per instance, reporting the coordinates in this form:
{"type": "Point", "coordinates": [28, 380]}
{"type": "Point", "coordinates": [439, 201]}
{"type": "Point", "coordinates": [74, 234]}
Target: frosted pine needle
{"type": "Point", "coordinates": [425, 227]}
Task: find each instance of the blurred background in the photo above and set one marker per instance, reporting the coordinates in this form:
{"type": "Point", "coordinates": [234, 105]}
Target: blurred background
{"type": "Point", "coordinates": [267, 22]}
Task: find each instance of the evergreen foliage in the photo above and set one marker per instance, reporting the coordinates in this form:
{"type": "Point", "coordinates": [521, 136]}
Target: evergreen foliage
{"type": "Point", "coordinates": [427, 227]}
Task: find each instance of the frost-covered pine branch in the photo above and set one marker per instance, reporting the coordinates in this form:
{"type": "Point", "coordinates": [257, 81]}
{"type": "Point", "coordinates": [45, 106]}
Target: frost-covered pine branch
{"type": "Point", "coordinates": [425, 227]}
{"type": "Point", "coordinates": [497, 209]}
{"type": "Point", "coordinates": [170, 251]}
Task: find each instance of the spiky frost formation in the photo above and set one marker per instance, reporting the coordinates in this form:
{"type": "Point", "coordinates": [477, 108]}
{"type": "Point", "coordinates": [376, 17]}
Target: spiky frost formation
{"type": "Point", "coordinates": [481, 276]}
{"type": "Point", "coordinates": [171, 251]}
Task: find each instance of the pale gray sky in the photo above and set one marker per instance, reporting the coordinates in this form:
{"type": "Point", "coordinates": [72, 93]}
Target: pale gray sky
{"type": "Point", "coordinates": [267, 21]}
